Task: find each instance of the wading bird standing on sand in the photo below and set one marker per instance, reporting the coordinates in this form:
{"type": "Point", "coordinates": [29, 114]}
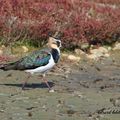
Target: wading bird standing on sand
{"type": "Point", "coordinates": [40, 61]}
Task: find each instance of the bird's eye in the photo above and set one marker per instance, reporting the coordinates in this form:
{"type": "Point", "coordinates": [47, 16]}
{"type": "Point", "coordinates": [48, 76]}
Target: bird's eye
{"type": "Point", "coordinates": [58, 43]}
{"type": "Point", "coordinates": [54, 43]}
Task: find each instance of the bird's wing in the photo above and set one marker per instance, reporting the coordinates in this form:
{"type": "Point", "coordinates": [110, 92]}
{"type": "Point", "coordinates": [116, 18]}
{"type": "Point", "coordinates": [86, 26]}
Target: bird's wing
{"type": "Point", "coordinates": [34, 60]}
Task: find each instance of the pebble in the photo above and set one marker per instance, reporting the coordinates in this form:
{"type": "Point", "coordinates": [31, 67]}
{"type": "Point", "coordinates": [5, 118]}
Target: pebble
{"type": "Point", "coordinates": [77, 93]}
{"type": "Point", "coordinates": [73, 58]}
{"type": "Point", "coordinates": [116, 46]}
{"type": "Point", "coordinates": [25, 49]}
{"type": "Point", "coordinates": [98, 53]}
{"type": "Point", "coordinates": [79, 52]}
{"type": "Point", "coordinates": [52, 91]}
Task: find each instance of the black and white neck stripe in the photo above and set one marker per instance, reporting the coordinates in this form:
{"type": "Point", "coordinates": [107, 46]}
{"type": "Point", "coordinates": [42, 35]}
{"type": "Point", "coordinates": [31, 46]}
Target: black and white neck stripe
{"type": "Point", "coordinates": [55, 54]}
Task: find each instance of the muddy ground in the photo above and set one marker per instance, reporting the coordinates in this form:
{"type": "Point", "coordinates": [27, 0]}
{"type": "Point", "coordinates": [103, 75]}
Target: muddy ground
{"type": "Point", "coordinates": [88, 90]}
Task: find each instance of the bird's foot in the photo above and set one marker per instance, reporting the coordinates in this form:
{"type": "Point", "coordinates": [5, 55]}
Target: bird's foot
{"type": "Point", "coordinates": [51, 90]}
{"type": "Point", "coordinates": [23, 85]}
{"type": "Point", "coordinates": [23, 88]}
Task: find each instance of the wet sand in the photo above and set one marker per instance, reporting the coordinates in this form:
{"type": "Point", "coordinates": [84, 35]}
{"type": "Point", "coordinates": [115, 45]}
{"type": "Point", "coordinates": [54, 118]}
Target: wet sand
{"type": "Point", "coordinates": [88, 90]}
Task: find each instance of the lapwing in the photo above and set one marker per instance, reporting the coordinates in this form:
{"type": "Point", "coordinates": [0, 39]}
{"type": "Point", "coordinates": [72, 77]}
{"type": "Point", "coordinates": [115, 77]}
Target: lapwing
{"type": "Point", "coordinates": [40, 61]}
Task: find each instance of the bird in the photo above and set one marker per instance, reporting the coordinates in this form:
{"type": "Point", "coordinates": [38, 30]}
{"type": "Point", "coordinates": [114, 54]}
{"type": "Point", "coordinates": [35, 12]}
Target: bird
{"type": "Point", "coordinates": [39, 61]}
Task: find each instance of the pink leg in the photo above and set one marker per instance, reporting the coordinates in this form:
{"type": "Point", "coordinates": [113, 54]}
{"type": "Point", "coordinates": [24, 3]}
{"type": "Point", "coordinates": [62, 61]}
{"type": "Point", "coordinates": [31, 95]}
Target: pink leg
{"type": "Point", "coordinates": [46, 82]}
{"type": "Point", "coordinates": [23, 86]}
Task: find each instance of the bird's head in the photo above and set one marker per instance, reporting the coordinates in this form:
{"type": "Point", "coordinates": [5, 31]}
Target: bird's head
{"type": "Point", "coordinates": [54, 42]}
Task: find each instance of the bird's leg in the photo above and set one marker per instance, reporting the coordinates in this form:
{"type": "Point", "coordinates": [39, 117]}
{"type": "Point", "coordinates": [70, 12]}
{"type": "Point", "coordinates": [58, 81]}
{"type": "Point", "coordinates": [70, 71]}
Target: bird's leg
{"type": "Point", "coordinates": [46, 82]}
{"type": "Point", "coordinates": [24, 83]}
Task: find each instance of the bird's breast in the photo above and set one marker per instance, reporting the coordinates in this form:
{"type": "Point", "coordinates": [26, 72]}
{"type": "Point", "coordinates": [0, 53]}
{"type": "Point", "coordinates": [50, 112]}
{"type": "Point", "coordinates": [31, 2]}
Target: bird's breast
{"type": "Point", "coordinates": [55, 55]}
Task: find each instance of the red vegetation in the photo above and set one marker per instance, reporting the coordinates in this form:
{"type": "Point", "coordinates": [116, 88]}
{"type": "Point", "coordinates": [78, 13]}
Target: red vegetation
{"type": "Point", "coordinates": [81, 21]}
{"type": "Point", "coordinates": [5, 58]}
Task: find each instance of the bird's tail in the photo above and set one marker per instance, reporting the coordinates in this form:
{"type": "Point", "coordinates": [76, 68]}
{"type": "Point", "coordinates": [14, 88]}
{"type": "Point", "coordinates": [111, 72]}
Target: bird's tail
{"type": "Point", "coordinates": [9, 66]}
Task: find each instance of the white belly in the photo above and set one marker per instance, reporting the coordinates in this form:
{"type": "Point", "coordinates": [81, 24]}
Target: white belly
{"type": "Point", "coordinates": [42, 69]}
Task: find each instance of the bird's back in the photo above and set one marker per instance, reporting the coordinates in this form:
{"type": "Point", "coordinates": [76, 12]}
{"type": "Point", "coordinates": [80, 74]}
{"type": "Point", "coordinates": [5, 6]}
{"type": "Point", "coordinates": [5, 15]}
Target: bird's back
{"type": "Point", "coordinates": [36, 59]}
